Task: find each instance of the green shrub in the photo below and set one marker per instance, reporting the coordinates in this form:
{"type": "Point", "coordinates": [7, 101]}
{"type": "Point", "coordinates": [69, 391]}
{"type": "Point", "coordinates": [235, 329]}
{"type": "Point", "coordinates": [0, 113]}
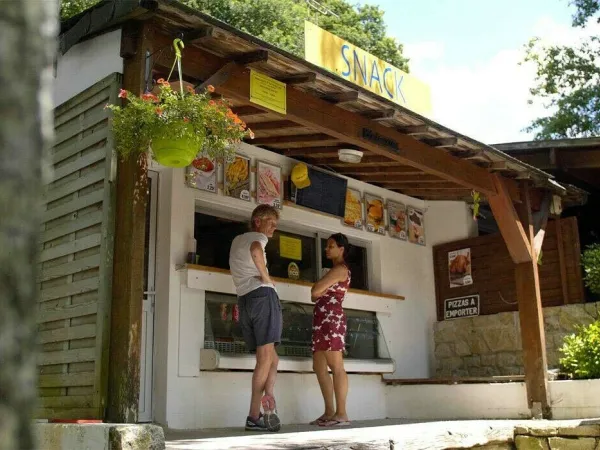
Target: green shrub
{"type": "Point", "coordinates": [582, 352]}
{"type": "Point", "coordinates": [591, 267]}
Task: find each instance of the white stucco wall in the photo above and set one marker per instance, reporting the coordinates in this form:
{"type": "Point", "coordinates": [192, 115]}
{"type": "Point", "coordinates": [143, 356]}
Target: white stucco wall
{"type": "Point", "coordinates": [184, 397]}
{"type": "Point", "coordinates": [85, 64]}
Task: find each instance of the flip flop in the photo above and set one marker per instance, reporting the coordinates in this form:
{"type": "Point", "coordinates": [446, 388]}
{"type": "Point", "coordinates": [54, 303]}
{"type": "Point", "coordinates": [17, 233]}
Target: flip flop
{"type": "Point", "coordinates": [271, 418]}
{"type": "Point", "coordinates": [335, 423]}
{"type": "Point", "coordinates": [320, 420]}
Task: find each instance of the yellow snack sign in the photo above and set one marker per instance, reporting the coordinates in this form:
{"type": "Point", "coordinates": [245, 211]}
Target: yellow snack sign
{"type": "Point", "coordinates": [332, 53]}
{"type": "Point", "coordinates": [290, 248]}
{"type": "Point", "coordinates": [268, 92]}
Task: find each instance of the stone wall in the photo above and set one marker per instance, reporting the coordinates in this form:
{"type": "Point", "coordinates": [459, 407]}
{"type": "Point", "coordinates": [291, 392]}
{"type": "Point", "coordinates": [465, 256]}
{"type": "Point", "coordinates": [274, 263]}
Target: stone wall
{"type": "Point", "coordinates": [491, 345]}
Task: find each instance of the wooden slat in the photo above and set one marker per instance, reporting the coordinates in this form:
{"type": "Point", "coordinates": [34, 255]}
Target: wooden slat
{"type": "Point", "coordinates": [247, 110]}
{"type": "Point", "coordinates": [66, 312]}
{"type": "Point", "coordinates": [434, 187]}
{"type": "Point", "coordinates": [69, 289]}
{"type": "Point", "coordinates": [67, 413]}
{"type": "Point", "coordinates": [80, 223]}
{"type": "Point", "coordinates": [67, 333]}
{"type": "Point", "coordinates": [100, 98]}
{"type": "Point", "coordinates": [73, 206]}
{"type": "Point", "coordinates": [77, 127]}
{"type": "Point", "coordinates": [66, 401]}
{"type": "Point", "coordinates": [71, 247]}
{"type": "Point", "coordinates": [312, 152]}
{"type": "Point", "coordinates": [348, 126]}
{"type": "Point", "coordinates": [561, 262]}
{"type": "Point", "coordinates": [390, 170]}
{"type": "Point", "coordinates": [80, 163]}
{"type": "Point", "coordinates": [73, 186]}
{"type": "Point", "coordinates": [85, 143]}
{"type": "Point", "coordinates": [339, 98]}
{"type": "Point", "coordinates": [415, 130]}
{"type": "Point", "coordinates": [291, 139]}
{"type": "Point", "coordinates": [66, 356]}
{"type": "Point", "coordinates": [70, 268]}
{"type": "Point", "coordinates": [63, 109]}
{"type": "Point", "coordinates": [392, 178]}
{"type": "Point", "coordinates": [66, 380]}
{"type": "Point", "coordinates": [299, 79]}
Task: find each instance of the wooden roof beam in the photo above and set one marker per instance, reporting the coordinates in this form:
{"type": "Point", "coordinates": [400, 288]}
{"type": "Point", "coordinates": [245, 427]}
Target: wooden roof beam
{"type": "Point", "coordinates": [442, 142]}
{"type": "Point", "coordinates": [310, 152]}
{"type": "Point", "coordinates": [381, 114]}
{"type": "Point", "coordinates": [273, 125]}
{"type": "Point", "coordinates": [248, 110]}
{"type": "Point", "coordinates": [346, 126]}
{"type": "Point", "coordinates": [383, 170]}
{"type": "Point", "coordinates": [299, 79]}
{"type": "Point", "coordinates": [391, 180]}
{"type": "Point", "coordinates": [198, 35]}
{"type": "Point", "coordinates": [250, 58]}
{"type": "Point", "coordinates": [290, 139]}
{"type": "Point", "coordinates": [415, 130]}
{"type": "Point", "coordinates": [340, 98]}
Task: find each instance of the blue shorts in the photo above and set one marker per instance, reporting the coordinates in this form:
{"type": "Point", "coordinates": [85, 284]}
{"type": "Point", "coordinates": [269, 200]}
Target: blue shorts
{"type": "Point", "coordinates": [261, 320]}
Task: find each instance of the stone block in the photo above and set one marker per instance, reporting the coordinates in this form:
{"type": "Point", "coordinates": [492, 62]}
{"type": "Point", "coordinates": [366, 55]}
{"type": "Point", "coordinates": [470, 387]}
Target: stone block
{"type": "Point", "coordinates": [452, 364]}
{"type": "Point", "coordinates": [502, 446]}
{"type": "Point", "coordinates": [501, 340]}
{"type": "Point", "coordinates": [472, 361]}
{"type": "Point", "coordinates": [543, 429]}
{"type": "Point", "coordinates": [488, 360]}
{"type": "Point", "coordinates": [573, 315]}
{"type": "Point", "coordinates": [444, 351]}
{"type": "Point", "coordinates": [478, 345]}
{"type": "Point", "coordinates": [585, 443]}
{"type": "Point", "coordinates": [462, 348]}
{"type": "Point", "coordinates": [592, 309]}
{"type": "Point", "coordinates": [506, 359]}
{"type": "Point", "coordinates": [552, 323]}
{"type": "Point", "coordinates": [531, 443]}
{"type": "Point", "coordinates": [592, 430]}
{"type": "Point", "coordinates": [137, 437]}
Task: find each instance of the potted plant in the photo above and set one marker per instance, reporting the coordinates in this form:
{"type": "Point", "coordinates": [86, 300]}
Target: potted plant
{"type": "Point", "coordinates": [176, 125]}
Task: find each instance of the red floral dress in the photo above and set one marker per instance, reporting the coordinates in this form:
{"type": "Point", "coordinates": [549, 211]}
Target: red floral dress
{"type": "Point", "coordinates": [329, 320]}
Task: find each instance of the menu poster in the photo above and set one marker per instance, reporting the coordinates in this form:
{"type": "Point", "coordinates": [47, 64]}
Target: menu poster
{"type": "Point", "coordinates": [375, 216]}
{"type": "Point", "coordinates": [416, 226]}
{"type": "Point", "coordinates": [459, 268]}
{"type": "Point", "coordinates": [397, 218]}
{"type": "Point", "coordinates": [236, 178]}
{"type": "Point", "coordinates": [353, 214]}
{"type": "Point", "coordinates": [202, 174]}
{"type": "Point", "coordinates": [268, 184]}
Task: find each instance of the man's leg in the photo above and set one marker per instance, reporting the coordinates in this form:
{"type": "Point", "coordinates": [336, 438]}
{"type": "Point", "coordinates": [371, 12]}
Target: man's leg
{"type": "Point", "coordinates": [270, 384]}
{"type": "Point", "coordinates": [264, 363]}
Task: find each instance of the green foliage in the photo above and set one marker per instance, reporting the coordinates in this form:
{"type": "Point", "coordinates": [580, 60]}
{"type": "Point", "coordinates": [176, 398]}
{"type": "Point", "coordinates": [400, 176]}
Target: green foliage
{"type": "Point", "coordinates": [591, 267]}
{"type": "Point", "coordinates": [582, 352]}
{"type": "Point", "coordinates": [209, 125]}
{"type": "Point", "coordinates": [281, 22]}
{"type": "Point", "coordinates": [568, 81]}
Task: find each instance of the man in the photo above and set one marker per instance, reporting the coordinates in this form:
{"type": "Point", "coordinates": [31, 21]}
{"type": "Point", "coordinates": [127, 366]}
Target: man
{"type": "Point", "coordinates": [260, 313]}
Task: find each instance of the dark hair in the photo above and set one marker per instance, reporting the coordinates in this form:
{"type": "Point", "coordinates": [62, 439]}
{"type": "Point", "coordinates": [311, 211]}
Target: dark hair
{"type": "Point", "coordinates": [342, 241]}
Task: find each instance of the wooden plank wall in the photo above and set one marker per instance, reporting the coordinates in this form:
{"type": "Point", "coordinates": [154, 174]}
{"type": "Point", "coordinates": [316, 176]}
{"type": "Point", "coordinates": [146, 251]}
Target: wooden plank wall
{"type": "Point", "coordinates": [76, 258]}
{"type": "Point", "coordinates": [494, 276]}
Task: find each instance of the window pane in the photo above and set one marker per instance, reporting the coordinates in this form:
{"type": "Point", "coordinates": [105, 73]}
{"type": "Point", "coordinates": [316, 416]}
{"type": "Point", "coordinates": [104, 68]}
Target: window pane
{"type": "Point", "coordinates": [223, 333]}
{"type": "Point", "coordinates": [357, 260]}
{"type": "Point", "coordinates": [213, 239]}
{"type": "Point", "coordinates": [306, 249]}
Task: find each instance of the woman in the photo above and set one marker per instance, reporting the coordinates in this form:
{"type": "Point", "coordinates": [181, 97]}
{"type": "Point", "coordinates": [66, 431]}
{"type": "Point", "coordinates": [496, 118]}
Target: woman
{"type": "Point", "coordinates": [329, 333]}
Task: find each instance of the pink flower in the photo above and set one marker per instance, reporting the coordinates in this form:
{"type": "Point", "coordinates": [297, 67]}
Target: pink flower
{"type": "Point", "coordinates": [210, 88]}
{"type": "Point", "coordinates": [123, 93]}
{"type": "Point", "coordinates": [150, 97]}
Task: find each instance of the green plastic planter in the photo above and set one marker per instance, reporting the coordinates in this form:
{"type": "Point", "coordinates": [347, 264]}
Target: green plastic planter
{"type": "Point", "coordinates": [174, 152]}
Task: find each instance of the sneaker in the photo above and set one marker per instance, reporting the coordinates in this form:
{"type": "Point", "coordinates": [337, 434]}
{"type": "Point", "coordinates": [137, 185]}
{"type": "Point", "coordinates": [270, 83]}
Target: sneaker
{"type": "Point", "coordinates": [256, 425]}
{"type": "Point", "coordinates": [271, 419]}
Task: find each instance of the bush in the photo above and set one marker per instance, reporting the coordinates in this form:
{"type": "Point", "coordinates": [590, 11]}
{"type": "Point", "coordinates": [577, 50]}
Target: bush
{"type": "Point", "coordinates": [591, 267]}
{"type": "Point", "coordinates": [582, 352]}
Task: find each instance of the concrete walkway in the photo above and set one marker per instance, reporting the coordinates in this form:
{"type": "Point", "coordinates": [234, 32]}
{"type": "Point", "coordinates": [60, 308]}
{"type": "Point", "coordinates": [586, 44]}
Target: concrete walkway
{"type": "Point", "coordinates": [368, 435]}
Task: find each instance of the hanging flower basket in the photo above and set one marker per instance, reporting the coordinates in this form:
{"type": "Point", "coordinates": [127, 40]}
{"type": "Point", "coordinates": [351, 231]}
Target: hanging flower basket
{"type": "Point", "coordinates": [176, 125]}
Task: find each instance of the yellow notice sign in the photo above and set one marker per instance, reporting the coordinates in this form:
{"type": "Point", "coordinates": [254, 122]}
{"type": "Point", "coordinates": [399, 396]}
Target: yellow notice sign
{"type": "Point", "coordinates": [332, 53]}
{"type": "Point", "coordinates": [290, 248]}
{"type": "Point", "coordinates": [267, 92]}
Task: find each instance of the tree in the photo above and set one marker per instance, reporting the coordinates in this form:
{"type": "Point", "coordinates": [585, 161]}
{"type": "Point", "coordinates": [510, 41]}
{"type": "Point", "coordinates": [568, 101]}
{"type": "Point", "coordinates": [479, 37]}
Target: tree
{"type": "Point", "coordinates": [28, 35]}
{"type": "Point", "coordinates": [281, 22]}
{"type": "Point", "coordinates": [568, 81]}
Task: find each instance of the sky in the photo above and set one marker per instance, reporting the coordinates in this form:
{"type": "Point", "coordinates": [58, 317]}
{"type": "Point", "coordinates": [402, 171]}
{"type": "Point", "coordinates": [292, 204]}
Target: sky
{"type": "Point", "coordinates": [468, 52]}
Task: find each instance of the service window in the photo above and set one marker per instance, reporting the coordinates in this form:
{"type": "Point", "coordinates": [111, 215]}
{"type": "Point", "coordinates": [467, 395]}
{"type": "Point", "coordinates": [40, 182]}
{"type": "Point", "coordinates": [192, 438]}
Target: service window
{"type": "Point", "coordinates": [293, 256]}
{"type": "Point", "coordinates": [358, 262]}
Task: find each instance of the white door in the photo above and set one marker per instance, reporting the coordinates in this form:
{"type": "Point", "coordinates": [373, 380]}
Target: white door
{"type": "Point", "coordinates": [145, 405]}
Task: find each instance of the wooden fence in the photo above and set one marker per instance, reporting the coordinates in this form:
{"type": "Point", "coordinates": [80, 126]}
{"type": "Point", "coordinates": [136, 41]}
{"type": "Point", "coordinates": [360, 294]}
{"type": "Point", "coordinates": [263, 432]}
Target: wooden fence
{"type": "Point", "coordinates": [493, 270]}
{"type": "Point", "coordinates": [75, 276]}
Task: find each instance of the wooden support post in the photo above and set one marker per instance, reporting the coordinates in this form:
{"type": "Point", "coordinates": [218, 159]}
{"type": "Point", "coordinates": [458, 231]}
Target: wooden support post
{"type": "Point", "coordinates": [518, 233]}
{"type": "Point", "coordinates": [128, 272]}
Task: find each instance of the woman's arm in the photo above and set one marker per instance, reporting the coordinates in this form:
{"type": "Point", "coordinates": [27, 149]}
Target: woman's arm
{"type": "Point", "coordinates": [335, 275]}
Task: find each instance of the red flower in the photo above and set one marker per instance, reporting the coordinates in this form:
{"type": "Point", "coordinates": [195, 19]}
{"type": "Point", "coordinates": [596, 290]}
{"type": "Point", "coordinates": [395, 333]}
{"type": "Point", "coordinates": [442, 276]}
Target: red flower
{"type": "Point", "coordinates": [123, 93]}
{"type": "Point", "coordinates": [212, 103]}
{"type": "Point", "coordinates": [210, 88]}
{"type": "Point", "coordinates": [191, 90]}
{"type": "Point", "coordinates": [159, 111]}
{"type": "Point", "coordinates": [186, 120]}
{"type": "Point", "coordinates": [150, 97]}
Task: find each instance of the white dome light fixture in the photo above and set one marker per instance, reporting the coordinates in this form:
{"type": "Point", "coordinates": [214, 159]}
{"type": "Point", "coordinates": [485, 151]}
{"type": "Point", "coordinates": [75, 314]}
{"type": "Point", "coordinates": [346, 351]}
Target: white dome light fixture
{"type": "Point", "coordinates": [349, 155]}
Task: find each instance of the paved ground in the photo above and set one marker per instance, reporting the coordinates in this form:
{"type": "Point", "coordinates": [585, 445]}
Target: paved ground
{"type": "Point", "coordinates": [369, 435]}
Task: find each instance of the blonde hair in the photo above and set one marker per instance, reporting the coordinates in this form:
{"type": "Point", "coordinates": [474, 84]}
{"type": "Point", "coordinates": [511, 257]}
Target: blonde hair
{"type": "Point", "coordinates": [262, 212]}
